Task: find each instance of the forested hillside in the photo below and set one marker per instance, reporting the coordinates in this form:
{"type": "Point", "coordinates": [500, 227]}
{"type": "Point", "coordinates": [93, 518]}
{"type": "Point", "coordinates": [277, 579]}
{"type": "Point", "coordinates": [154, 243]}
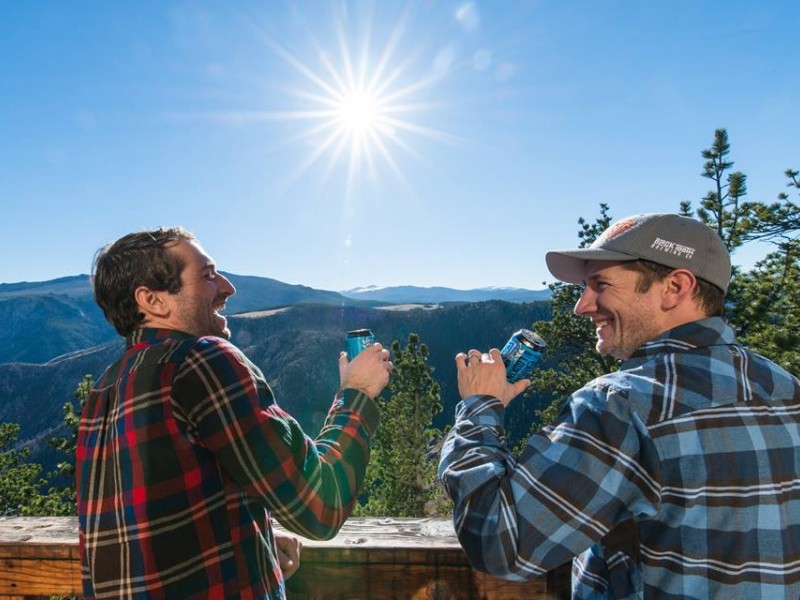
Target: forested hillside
{"type": "Point", "coordinates": [297, 349]}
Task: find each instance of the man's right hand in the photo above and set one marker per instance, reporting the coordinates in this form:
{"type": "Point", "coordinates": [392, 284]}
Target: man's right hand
{"type": "Point", "coordinates": [368, 372]}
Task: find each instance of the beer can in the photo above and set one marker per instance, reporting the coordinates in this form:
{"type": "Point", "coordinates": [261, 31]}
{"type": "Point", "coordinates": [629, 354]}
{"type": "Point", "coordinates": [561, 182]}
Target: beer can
{"type": "Point", "coordinates": [521, 353]}
{"type": "Point", "coordinates": [355, 341]}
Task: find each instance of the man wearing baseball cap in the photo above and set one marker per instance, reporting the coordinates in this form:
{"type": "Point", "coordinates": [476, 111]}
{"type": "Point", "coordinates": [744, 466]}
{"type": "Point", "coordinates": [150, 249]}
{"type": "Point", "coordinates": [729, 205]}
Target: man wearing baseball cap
{"type": "Point", "coordinates": [677, 476]}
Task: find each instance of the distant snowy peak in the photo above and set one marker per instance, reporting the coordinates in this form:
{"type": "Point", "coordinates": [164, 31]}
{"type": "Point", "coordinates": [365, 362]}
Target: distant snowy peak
{"type": "Point", "coordinates": [363, 290]}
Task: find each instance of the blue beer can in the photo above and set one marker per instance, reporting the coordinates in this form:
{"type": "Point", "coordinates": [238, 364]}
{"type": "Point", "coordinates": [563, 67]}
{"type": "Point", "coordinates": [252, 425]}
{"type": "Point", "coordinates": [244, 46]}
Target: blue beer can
{"type": "Point", "coordinates": [521, 353]}
{"type": "Point", "coordinates": [355, 341]}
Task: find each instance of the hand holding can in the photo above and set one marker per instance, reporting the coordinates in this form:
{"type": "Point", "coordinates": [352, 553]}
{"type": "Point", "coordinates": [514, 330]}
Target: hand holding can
{"type": "Point", "coordinates": [355, 341]}
{"type": "Point", "coordinates": [521, 353]}
{"type": "Point", "coordinates": [370, 372]}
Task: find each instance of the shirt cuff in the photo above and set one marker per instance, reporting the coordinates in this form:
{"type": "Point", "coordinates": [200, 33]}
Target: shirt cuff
{"type": "Point", "coordinates": [481, 409]}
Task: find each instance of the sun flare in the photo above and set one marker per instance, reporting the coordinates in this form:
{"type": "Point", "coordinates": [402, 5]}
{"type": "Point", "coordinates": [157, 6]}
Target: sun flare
{"type": "Point", "coordinates": [361, 101]}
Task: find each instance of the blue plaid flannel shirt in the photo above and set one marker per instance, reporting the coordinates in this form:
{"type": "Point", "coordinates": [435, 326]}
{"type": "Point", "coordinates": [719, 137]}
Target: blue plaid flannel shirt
{"type": "Point", "coordinates": [695, 441]}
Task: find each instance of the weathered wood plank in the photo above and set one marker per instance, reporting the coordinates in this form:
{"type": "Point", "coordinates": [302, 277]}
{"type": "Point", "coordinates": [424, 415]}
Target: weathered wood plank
{"type": "Point", "coordinates": [39, 577]}
{"type": "Point", "coordinates": [53, 531]}
{"type": "Point", "coordinates": [318, 581]}
{"type": "Point", "coordinates": [391, 558]}
{"type": "Point", "coordinates": [39, 556]}
{"type": "Point", "coordinates": [416, 559]}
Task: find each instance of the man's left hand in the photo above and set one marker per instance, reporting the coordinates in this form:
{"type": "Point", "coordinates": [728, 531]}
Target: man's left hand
{"type": "Point", "coordinates": [289, 547]}
{"type": "Point", "coordinates": [485, 373]}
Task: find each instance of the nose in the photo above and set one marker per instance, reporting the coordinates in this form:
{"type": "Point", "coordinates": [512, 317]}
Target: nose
{"type": "Point", "coordinates": [226, 288]}
{"type": "Point", "coordinates": [586, 303]}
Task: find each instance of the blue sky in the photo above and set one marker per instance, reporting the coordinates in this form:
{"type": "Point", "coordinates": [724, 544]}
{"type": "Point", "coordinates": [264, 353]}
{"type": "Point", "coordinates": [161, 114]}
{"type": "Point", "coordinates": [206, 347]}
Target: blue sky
{"type": "Point", "coordinates": [481, 131]}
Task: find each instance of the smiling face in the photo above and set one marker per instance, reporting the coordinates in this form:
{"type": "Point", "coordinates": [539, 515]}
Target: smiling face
{"type": "Point", "coordinates": [195, 308]}
{"type": "Point", "coordinates": [624, 317]}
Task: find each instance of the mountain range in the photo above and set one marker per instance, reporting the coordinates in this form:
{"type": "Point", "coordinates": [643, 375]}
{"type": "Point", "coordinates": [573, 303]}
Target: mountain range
{"type": "Point", "coordinates": [64, 308]}
{"type": "Point", "coordinates": [255, 292]}
{"type": "Point", "coordinates": [55, 335]}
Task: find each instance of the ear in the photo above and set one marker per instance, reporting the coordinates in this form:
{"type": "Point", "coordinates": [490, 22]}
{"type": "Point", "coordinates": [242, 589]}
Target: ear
{"type": "Point", "coordinates": [151, 302]}
{"type": "Point", "coordinates": [679, 286]}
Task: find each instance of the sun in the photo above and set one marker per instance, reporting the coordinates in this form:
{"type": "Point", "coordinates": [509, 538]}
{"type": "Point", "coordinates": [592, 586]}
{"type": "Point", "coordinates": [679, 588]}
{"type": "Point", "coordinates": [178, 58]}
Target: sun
{"type": "Point", "coordinates": [359, 102]}
{"type": "Point", "coordinates": [360, 113]}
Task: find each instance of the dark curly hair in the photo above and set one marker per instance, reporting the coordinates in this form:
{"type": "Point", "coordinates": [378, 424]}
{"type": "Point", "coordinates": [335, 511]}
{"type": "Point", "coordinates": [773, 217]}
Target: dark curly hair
{"type": "Point", "coordinates": [137, 259]}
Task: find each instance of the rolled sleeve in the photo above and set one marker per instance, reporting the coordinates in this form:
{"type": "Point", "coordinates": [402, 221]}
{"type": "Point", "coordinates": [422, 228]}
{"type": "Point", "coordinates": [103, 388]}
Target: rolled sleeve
{"type": "Point", "coordinates": [574, 481]}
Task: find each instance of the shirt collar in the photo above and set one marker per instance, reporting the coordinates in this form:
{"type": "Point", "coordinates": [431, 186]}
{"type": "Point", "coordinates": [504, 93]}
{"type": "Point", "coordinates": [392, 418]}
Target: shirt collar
{"type": "Point", "coordinates": [152, 335]}
{"type": "Point", "coordinates": [712, 331]}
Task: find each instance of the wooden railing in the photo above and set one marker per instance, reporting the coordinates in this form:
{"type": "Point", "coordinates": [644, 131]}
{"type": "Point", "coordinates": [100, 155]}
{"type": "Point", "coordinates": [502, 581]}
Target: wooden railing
{"type": "Point", "coordinates": [414, 559]}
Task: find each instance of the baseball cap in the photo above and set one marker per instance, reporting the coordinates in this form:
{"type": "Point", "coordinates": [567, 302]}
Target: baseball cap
{"type": "Point", "coordinates": [667, 239]}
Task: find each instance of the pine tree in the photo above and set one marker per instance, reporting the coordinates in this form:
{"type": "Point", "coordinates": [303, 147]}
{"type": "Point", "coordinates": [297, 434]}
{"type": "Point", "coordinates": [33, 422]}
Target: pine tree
{"type": "Point", "coordinates": [20, 480]}
{"type": "Point", "coordinates": [23, 488]}
{"type": "Point", "coordinates": [401, 477]}
{"type": "Point", "coordinates": [767, 311]}
{"type": "Point", "coordinates": [65, 470]}
{"type": "Point", "coordinates": [724, 209]}
{"type": "Point", "coordinates": [764, 303]}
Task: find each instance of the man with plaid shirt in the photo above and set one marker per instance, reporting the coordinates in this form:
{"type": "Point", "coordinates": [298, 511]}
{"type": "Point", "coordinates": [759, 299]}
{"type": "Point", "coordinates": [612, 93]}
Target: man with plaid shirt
{"type": "Point", "coordinates": [183, 454]}
{"type": "Point", "coordinates": [677, 476]}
